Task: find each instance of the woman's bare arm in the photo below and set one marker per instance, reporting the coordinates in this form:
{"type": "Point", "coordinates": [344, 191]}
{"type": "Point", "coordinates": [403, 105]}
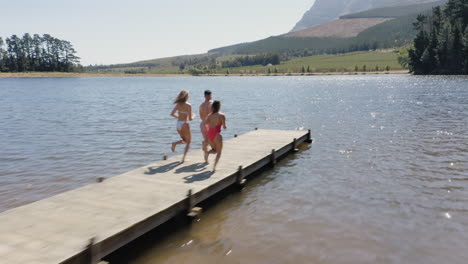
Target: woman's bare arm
{"type": "Point", "coordinates": [190, 116]}
{"type": "Point", "coordinates": [173, 113]}
{"type": "Point", "coordinates": [224, 122]}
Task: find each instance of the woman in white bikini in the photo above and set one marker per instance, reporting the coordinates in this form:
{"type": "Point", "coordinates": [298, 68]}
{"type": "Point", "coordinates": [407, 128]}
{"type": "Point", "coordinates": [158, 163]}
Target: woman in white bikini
{"type": "Point", "coordinates": [183, 113]}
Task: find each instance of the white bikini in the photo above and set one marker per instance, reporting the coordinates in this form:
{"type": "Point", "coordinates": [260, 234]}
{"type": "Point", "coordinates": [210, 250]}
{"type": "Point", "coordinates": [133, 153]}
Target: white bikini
{"type": "Point", "coordinates": [179, 123]}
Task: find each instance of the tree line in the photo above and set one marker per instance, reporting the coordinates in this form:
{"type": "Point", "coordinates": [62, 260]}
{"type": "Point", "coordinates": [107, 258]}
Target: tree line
{"type": "Point", "coordinates": [37, 53]}
{"type": "Point", "coordinates": [97, 67]}
{"type": "Point", "coordinates": [441, 44]}
{"type": "Point", "coordinates": [261, 59]}
{"type": "Point", "coordinates": [195, 61]}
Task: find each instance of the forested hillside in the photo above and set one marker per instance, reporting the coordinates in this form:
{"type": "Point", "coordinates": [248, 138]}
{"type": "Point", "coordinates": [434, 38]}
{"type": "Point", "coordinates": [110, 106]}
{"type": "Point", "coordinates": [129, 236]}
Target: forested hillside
{"type": "Point", "coordinates": [341, 28]}
{"type": "Point", "coordinates": [393, 33]}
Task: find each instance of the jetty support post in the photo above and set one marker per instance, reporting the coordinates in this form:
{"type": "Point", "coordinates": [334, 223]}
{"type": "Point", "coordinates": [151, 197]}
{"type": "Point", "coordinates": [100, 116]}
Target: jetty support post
{"type": "Point", "coordinates": [294, 145]}
{"type": "Point", "coordinates": [100, 179]}
{"type": "Point", "coordinates": [92, 252]}
{"type": "Point", "coordinates": [192, 212]}
{"type": "Point", "coordinates": [309, 137]}
{"type": "Point", "coordinates": [240, 181]}
{"type": "Point", "coordinates": [273, 157]}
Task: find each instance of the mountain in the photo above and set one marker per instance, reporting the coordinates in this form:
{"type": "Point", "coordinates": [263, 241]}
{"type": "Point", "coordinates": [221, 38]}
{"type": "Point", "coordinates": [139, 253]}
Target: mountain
{"type": "Point", "coordinates": [341, 28]}
{"type": "Point", "coordinates": [378, 28]}
{"type": "Point", "coordinates": [352, 24]}
{"type": "Point", "coordinates": [324, 11]}
{"type": "Point", "coordinates": [395, 11]}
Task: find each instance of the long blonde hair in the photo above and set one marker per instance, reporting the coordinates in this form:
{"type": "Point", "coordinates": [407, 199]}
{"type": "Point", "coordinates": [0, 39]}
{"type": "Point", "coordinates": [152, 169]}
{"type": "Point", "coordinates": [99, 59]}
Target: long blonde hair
{"type": "Point", "coordinates": [182, 97]}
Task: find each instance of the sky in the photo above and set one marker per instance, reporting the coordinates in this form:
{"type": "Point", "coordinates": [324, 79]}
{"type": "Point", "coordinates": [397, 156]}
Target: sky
{"type": "Point", "coordinates": [118, 31]}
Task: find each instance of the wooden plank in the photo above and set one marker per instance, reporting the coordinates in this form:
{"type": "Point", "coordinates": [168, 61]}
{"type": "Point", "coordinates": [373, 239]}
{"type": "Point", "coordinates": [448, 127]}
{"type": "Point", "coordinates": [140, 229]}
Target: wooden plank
{"type": "Point", "coordinates": [118, 210]}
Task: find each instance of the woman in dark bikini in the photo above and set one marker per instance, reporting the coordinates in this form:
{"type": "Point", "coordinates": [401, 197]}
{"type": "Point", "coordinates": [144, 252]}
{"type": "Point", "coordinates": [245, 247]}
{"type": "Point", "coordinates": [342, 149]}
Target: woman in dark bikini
{"type": "Point", "coordinates": [214, 122]}
{"type": "Point", "coordinates": [184, 116]}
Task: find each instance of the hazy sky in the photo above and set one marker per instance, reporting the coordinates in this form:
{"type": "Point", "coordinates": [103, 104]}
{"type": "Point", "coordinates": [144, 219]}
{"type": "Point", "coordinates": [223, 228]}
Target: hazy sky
{"type": "Point", "coordinates": [106, 32]}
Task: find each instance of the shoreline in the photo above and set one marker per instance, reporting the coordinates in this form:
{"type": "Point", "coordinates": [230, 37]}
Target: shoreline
{"type": "Point", "coordinates": [90, 74]}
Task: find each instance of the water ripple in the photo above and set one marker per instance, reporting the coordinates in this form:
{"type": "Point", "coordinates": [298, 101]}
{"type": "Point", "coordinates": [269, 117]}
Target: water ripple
{"type": "Point", "coordinates": [385, 181]}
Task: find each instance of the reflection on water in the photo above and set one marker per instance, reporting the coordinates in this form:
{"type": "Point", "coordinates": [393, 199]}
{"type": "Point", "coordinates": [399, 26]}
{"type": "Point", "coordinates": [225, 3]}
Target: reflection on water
{"type": "Point", "coordinates": [385, 181]}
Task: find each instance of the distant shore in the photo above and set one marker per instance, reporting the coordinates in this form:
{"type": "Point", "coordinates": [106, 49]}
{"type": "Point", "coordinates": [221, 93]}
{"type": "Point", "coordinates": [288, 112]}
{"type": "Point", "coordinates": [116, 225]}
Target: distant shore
{"type": "Point", "coordinates": [90, 74]}
{"type": "Point", "coordinates": [76, 75]}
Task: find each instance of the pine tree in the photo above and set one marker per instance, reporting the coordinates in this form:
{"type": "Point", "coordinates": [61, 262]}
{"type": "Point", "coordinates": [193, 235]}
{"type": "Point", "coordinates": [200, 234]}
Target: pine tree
{"type": "Point", "coordinates": [456, 51]}
{"type": "Point", "coordinates": [440, 45]}
{"type": "Point", "coordinates": [37, 63]}
{"type": "Point", "coordinates": [26, 47]}
{"type": "Point", "coordinates": [432, 49]}
{"type": "Point", "coordinates": [3, 55]}
{"type": "Point", "coordinates": [443, 47]}
{"type": "Point", "coordinates": [465, 51]}
{"type": "Point", "coordinates": [436, 19]}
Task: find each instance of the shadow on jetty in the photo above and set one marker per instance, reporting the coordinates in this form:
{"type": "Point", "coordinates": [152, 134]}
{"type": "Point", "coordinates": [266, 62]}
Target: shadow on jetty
{"type": "Point", "coordinates": [196, 167]}
{"type": "Point", "coordinates": [162, 169]}
{"type": "Point", "coordinates": [198, 177]}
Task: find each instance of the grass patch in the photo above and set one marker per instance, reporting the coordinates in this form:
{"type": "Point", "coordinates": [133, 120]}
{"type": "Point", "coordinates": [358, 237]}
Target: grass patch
{"type": "Point", "coordinates": [346, 62]}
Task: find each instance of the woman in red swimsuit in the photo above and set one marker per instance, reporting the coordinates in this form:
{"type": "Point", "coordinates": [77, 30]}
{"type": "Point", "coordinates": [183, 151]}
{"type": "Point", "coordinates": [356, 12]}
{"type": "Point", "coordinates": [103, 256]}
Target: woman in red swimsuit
{"type": "Point", "coordinates": [214, 122]}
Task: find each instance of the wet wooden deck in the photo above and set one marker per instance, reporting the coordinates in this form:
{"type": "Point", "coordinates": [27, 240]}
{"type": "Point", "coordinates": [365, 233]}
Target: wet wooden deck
{"type": "Point", "coordinates": [119, 209]}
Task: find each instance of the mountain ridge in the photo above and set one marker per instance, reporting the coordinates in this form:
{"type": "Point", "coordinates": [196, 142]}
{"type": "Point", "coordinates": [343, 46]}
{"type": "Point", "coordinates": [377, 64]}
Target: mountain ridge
{"type": "Point", "coordinates": [324, 11]}
{"type": "Point", "coordinates": [342, 28]}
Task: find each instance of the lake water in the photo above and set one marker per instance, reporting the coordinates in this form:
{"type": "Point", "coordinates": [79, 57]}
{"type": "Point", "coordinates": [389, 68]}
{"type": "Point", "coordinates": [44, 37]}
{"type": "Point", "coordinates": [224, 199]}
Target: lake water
{"type": "Point", "coordinates": [386, 180]}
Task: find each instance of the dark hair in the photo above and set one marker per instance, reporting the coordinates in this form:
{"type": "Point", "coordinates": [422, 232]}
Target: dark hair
{"type": "Point", "coordinates": [207, 92]}
{"type": "Point", "coordinates": [216, 105]}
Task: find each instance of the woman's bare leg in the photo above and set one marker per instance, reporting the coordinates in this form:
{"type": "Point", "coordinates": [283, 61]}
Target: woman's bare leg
{"type": "Point", "coordinates": [174, 144]}
{"type": "Point", "coordinates": [205, 155]}
{"type": "Point", "coordinates": [219, 149]}
{"type": "Point", "coordinates": [205, 139]}
{"type": "Point", "coordinates": [212, 151]}
{"type": "Point", "coordinates": [187, 137]}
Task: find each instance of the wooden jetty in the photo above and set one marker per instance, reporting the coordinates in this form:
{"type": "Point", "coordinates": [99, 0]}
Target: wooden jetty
{"type": "Point", "coordinates": [86, 224]}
